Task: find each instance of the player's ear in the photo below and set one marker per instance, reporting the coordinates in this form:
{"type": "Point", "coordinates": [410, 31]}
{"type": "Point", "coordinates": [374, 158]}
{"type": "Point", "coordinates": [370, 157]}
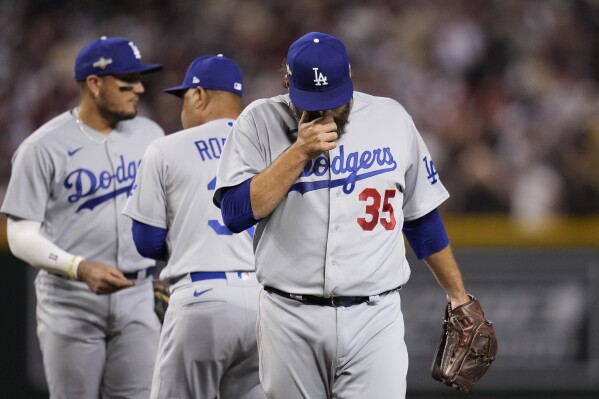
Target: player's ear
{"type": "Point", "coordinates": [93, 85]}
{"type": "Point", "coordinates": [201, 97]}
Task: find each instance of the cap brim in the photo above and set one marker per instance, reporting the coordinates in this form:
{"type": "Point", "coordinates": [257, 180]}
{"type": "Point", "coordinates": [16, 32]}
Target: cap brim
{"type": "Point", "coordinates": [150, 68]}
{"type": "Point", "coordinates": [322, 100]}
{"type": "Point", "coordinates": [178, 91]}
{"type": "Point", "coordinates": [143, 69]}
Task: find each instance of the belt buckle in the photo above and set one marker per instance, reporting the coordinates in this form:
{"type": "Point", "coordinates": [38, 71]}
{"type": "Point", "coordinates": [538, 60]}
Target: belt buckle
{"type": "Point", "coordinates": [337, 302]}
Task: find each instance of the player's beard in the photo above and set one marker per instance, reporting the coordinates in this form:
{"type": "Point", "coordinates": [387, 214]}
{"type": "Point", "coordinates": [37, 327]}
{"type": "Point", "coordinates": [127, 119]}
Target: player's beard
{"type": "Point", "coordinates": [111, 113]}
{"type": "Point", "coordinates": [341, 119]}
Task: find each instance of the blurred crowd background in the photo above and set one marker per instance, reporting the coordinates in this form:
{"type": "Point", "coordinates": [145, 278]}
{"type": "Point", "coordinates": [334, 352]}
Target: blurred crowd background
{"type": "Point", "coordinates": [505, 92]}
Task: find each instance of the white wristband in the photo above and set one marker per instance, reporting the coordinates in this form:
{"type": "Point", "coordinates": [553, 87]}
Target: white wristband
{"type": "Point", "coordinates": [74, 267]}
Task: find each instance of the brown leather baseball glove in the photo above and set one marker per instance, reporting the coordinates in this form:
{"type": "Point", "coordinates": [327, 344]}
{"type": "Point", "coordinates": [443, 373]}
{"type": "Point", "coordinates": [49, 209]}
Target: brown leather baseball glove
{"type": "Point", "coordinates": [466, 348]}
{"type": "Point", "coordinates": [161, 298]}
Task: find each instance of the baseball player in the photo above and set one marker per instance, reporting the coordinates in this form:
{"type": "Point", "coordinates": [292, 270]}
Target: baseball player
{"type": "Point", "coordinates": [69, 183]}
{"type": "Point", "coordinates": [332, 176]}
{"type": "Point", "coordinates": [208, 341]}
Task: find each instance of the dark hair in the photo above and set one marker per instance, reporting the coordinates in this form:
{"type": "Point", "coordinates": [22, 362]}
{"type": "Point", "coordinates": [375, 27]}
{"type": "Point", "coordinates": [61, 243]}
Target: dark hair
{"type": "Point", "coordinates": [283, 69]}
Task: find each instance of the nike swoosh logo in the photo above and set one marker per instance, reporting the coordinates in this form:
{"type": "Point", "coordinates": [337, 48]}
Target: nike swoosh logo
{"type": "Point", "coordinates": [196, 293]}
{"type": "Point", "coordinates": [73, 152]}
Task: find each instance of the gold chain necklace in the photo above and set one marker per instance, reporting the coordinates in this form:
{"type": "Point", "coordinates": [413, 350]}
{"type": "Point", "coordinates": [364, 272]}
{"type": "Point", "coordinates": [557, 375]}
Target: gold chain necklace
{"type": "Point", "coordinates": [85, 133]}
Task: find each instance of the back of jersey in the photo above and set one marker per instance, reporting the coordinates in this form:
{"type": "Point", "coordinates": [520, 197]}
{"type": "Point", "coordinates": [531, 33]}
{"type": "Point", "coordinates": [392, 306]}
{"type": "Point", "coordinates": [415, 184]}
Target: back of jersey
{"type": "Point", "coordinates": [174, 190]}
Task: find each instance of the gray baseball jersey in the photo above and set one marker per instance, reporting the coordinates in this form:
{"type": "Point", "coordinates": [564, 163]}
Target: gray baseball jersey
{"type": "Point", "coordinates": [75, 180]}
{"type": "Point", "coordinates": [174, 190]}
{"type": "Point", "coordinates": [348, 205]}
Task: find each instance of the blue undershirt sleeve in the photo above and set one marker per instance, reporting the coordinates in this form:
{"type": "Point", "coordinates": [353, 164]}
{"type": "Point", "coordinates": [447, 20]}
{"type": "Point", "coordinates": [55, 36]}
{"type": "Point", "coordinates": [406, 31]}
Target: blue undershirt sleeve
{"type": "Point", "coordinates": [426, 235]}
{"type": "Point", "coordinates": [236, 207]}
{"type": "Point", "coordinates": [150, 241]}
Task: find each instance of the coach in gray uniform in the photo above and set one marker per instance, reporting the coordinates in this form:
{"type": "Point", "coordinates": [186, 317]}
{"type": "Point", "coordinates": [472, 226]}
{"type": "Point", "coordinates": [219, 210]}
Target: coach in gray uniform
{"type": "Point", "coordinates": [333, 176]}
{"type": "Point", "coordinates": [208, 340]}
{"type": "Point", "coordinates": [69, 183]}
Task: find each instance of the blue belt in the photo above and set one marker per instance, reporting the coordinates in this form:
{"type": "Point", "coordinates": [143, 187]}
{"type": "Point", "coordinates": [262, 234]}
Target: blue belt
{"type": "Point", "coordinates": [199, 276]}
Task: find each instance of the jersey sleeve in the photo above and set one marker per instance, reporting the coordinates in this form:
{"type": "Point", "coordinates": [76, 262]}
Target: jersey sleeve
{"type": "Point", "coordinates": [424, 190]}
{"type": "Point", "coordinates": [147, 204]}
{"type": "Point", "coordinates": [29, 185]}
{"type": "Point", "coordinates": [242, 157]}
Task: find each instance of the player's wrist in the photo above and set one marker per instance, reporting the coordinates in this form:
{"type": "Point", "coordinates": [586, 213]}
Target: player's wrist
{"type": "Point", "coordinates": [298, 153]}
{"type": "Point", "coordinates": [458, 299]}
{"type": "Point", "coordinates": [73, 270]}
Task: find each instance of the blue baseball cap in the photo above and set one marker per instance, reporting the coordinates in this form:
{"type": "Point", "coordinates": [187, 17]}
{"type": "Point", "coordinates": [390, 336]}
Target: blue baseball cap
{"type": "Point", "coordinates": [213, 72]}
{"type": "Point", "coordinates": [318, 72]}
{"type": "Point", "coordinates": [110, 56]}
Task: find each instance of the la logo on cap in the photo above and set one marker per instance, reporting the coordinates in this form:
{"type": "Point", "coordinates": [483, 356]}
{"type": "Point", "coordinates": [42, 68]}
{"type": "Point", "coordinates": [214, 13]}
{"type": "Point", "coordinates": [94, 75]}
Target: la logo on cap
{"type": "Point", "coordinates": [195, 80]}
{"type": "Point", "coordinates": [319, 78]}
{"type": "Point", "coordinates": [102, 63]}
